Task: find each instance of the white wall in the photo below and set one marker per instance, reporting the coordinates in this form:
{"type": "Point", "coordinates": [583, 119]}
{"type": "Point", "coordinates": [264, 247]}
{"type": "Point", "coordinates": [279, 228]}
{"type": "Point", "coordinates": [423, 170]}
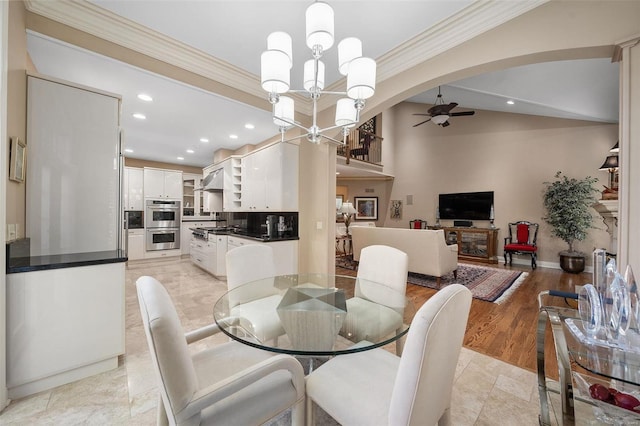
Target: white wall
{"type": "Point", "coordinates": [4, 31]}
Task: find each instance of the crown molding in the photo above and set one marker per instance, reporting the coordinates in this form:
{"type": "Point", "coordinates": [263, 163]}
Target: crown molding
{"type": "Point", "coordinates": [472, 21]}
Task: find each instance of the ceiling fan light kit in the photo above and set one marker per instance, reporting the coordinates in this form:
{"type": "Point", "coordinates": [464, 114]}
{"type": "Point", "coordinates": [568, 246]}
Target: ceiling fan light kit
{"type": "Point", "coordinates": [275, 68]}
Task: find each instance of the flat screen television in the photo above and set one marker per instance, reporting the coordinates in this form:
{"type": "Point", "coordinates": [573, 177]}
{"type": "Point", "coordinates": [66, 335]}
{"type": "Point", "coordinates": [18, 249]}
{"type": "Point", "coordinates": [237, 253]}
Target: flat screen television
{"type": "Point", "coordinates": [466, 205]}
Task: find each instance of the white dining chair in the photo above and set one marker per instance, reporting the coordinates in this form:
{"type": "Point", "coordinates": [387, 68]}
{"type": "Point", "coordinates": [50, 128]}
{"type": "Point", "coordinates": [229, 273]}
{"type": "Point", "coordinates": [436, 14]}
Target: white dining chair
{"type": "Point", "coordinates": [379, 293]}
{"type": "Point", "coordinates": [254, 305]}
{"type": "Point", "coordinates": [378, 388]}
{"type": "Point", "coordinates": [227, 384]}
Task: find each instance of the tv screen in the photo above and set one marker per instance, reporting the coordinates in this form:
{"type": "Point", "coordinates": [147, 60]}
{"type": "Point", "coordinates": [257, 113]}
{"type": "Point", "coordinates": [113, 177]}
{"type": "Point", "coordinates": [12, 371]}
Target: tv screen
{"type": "Point", "coordinates": [466, 205]}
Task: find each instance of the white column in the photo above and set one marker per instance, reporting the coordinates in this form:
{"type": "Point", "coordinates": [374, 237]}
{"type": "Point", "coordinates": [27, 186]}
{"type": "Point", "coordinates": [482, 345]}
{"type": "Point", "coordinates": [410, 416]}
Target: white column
{"type": "Point", "coordinates": [4, 48]}
{"type": "Point", "coordinates": [629, 194]}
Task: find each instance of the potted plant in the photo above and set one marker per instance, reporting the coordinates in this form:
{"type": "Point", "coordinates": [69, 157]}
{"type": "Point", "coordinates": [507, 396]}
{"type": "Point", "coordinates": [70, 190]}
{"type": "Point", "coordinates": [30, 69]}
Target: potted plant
{"type": "Point", "coordinates": [567, 203]}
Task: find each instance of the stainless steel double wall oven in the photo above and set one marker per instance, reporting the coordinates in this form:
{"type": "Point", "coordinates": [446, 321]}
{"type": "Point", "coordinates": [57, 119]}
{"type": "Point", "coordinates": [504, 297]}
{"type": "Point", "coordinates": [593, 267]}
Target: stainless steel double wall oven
{"type": "Point", "coordinates": [162, 220]}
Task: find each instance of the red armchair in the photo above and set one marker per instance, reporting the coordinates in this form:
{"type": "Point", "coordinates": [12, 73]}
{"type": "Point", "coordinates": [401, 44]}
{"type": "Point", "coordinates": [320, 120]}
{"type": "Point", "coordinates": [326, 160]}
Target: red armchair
{"type": "Point", "coordinates": [521, 240]}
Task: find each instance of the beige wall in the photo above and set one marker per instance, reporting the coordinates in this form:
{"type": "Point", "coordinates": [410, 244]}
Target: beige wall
{"type": "Point", "coordinates": [17, 108]}
{"type": "Point", "coordinates": [510, 154]}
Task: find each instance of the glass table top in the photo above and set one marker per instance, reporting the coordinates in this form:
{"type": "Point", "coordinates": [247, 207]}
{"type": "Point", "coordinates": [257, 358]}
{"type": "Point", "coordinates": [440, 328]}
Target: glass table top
{"type": "Point", "coordinates": [314, 314]}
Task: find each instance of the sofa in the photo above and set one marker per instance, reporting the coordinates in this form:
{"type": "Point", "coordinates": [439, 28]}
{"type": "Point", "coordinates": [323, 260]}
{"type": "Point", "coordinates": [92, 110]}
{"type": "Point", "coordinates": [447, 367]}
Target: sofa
{"type": "Point", "coordinates": [428, 252]}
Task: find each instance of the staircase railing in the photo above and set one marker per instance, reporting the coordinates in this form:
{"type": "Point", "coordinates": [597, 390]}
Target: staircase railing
{"type": "Point", "coordinates": [362, 145]}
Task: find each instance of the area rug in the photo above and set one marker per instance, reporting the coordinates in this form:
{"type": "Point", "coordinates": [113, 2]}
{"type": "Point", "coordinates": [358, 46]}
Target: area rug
{"type": "Point", "coordinates": [486, 283]}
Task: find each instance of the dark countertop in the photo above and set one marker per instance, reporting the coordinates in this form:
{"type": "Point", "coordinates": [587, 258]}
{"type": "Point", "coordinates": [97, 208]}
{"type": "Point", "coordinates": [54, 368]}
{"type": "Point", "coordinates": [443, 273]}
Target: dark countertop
{"type": "Point", "coordinates": [261, 238]}
{"type": "Point", "coordinates": [59, 261]}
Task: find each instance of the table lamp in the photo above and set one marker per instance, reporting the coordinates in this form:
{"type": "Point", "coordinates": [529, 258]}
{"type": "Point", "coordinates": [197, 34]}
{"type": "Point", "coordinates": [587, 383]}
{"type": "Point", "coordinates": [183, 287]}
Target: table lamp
{"type": "Point", "coordinates": [347, 211]}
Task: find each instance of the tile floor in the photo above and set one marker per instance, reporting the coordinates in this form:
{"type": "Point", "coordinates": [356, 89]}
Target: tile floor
{"type": "Point", "coordinates": [486, 391]}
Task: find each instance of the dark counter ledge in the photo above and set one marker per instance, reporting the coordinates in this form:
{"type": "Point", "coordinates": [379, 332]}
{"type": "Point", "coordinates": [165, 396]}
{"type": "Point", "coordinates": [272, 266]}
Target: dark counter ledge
{"type": "Point", "coordinates": [59, 261]}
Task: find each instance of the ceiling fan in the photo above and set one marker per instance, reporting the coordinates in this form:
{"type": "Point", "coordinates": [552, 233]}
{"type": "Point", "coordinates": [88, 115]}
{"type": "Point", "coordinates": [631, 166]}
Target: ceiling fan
{"type": "Point", "coordinates": [440, 112]}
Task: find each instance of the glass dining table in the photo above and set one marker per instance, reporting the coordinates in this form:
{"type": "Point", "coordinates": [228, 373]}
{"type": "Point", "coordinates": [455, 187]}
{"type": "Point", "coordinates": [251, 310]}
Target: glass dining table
{"type": "Point", "coordinates": [314, 315]}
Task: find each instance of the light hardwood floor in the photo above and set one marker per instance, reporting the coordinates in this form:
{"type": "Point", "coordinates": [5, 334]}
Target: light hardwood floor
{"type": "Point", "coordinates": [507, 332]}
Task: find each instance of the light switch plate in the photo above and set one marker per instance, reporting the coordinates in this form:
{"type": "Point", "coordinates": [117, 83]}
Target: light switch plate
{"type": "Point", "coordinates": [11, 231]}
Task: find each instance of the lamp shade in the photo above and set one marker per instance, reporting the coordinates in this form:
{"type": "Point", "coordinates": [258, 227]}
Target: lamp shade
{"type": "Point", "coordinates": [610, 163]}
{"type": "Point", "coordinates": [348, 49]}
{"type": "Point", "coordinates": [347, 207]}
{"type": "Point", "coordinates": [274, 71]}
{"type": "Point", "coordinates": [616, 147]}
{"type": "Point", "coordinates": [346, 113]}
{"type": "Point", "coordinates": [283, 109]}
{"type": "Point", "coordinates": [279, 40]}
{"type": "Point", "coordinates": [310, 83]}
{"type": "Point", "coordinates": [319, 20]}
{"type": "Point", "coordinates": [361, 80]}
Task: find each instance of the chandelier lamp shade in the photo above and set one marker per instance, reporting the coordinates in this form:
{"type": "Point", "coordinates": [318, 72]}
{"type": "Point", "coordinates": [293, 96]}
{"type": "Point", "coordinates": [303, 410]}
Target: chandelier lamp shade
{"type": "Point", "coordinates": [275, 69]}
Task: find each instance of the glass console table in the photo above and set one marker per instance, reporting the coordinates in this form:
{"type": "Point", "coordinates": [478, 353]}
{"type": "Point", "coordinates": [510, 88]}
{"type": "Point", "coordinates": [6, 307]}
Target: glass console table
{"type": "Point", "coordinates": [580, 365]}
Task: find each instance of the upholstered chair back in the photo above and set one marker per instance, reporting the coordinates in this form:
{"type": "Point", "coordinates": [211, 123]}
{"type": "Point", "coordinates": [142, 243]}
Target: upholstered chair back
{"type": "Point", "coordinates": [522, 233]}
{"type": "Point", "coordinates": [168, 346]}
{"type": "Point", "coordinates": [385, 265]}
{"type": "Point", "coordinates": [424, 382]}
{"type": "Point", "coordinates": [246, 264]}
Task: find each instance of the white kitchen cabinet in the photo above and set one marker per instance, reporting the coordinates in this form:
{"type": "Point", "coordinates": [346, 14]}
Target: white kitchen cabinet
{"type": "Point", "coordinates": [186, 231]}
{"type": "Point", "coordinates": [203, 254]}
{"type": "Point", "coordinates": [211, 201]}
{"type": "Point", "coordinates": [285, 253]}
{"type": "Point", "coordinates": [136, 244]}
{"type": "Point", "coordinates": [133, 188]}
{"type": "Point", "coordinates": [159, 184]}
{"type": "Point", "coordinates": [221, 255]}
{"type": "Point", "coordinates": [270, 179]}
{"type": "Point", "coordinates": [232, 195]}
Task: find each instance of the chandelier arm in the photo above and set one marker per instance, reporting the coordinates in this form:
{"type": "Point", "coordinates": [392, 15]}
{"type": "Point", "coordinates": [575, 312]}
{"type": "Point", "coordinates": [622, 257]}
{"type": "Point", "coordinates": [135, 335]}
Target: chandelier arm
{"type": "Point", "coordinates": [293, 123]}
{"type": "Point", "coordinates": [294, 138]}
{"type": "Point", "coordinates": [322, 92]}
{"type": "Point", "coordinates": [332, 140]}
{"type": "Point", "coordinates": [329, 128]}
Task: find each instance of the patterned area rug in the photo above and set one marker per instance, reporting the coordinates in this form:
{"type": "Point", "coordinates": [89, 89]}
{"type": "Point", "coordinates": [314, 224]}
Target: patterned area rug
{"type": "Point", "coordinates": [486, 283]}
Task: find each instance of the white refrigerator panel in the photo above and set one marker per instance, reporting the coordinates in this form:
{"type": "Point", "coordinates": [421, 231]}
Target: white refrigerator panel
{"type": "Point", "coordinates": [73, 187]}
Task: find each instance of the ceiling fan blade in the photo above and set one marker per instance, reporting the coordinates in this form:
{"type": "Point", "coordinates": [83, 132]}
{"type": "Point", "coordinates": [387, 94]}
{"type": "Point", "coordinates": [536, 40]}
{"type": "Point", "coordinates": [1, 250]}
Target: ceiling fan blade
{"type": "Point", "coordinates": [426, 115]}
{"type": "Point", "coordinates": [422, 122]}
{"type": "Point", "coordinates": [458, 114]}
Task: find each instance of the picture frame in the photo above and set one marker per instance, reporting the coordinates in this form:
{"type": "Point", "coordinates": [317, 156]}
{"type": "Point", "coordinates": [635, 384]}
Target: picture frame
{"type": "Point", "coordinates": [366, 208]}
{"type": "Point", "coordinates": [17, 157]}
{"type": "Point", "coordinates": [395, 212]}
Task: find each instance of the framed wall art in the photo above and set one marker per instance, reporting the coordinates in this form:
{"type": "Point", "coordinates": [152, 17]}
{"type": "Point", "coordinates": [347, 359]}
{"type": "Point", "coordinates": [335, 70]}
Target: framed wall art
{"type": "Point", "coordinates": [366, 208]}
{"type": "Point", "coordinates": [17, 154]}
{"type": "Point", "coordinates": [396, 209]}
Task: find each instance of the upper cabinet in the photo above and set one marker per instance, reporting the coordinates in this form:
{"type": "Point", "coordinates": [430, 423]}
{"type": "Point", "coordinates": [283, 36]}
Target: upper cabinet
{"type": "Point", "coordinates": [133, 187]}
{"type": "Point", "coordinates": [232, 195]}
{"type": "Point", "coordinates": [160, 184]}
{"type": "Point", "coordinates": [270, 179]}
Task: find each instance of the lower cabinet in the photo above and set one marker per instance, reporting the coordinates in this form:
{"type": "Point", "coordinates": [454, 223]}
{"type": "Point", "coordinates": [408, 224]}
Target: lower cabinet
{"type": "Point", "coordinates": [284, 252]}
{"type": "Point", "coordinates": [136, 244]}
{"type": "Point", "coordinates": [203, 254]}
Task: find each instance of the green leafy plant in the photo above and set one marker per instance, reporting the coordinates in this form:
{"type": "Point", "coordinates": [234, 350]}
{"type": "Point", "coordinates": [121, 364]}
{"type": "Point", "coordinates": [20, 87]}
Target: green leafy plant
{"type": "Point", "coordinates": [567, 202]}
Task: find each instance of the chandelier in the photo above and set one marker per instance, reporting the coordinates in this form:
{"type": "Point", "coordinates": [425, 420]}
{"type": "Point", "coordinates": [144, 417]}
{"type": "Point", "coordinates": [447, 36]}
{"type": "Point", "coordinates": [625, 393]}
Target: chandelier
{"type": "Point", "coordinates": [276, 63]}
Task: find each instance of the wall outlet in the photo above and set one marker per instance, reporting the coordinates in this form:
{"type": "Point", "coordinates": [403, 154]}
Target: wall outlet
{"type": "Point", "coordinates": [319, 226]}
{"type": "Point", "coordinates": [11, 232]}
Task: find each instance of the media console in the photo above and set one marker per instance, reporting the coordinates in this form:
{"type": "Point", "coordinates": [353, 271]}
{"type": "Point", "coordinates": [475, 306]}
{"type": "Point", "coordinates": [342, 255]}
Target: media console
{"type": "Point", "coordinates": [474, 244]}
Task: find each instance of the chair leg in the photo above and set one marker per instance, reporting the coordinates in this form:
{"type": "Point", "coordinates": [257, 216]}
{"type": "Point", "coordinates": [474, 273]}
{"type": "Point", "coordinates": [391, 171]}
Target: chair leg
{"type": "Point", "coordinates": [161, 417]}
{"type": "Point", "coordinates": [455, 274]}
{"type": "Point", "coordinates": [438, 282]}
{"type": "Point", "coordinates": [534, 260]}
{"type": "Point", "coordinates": [505, 258]}
{"type": "Point", "coordinates": [298, 413]}
{"type": "Point", "coordinates": [311, 420]}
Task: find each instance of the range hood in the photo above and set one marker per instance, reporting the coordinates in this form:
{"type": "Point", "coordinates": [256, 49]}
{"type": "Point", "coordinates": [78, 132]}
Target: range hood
{"type": "Point", "coordinates": [214, 181]}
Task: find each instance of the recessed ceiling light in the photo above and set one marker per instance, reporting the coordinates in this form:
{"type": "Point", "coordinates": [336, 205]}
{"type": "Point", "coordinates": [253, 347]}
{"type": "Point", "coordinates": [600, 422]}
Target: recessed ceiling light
{"type": "Point", "coordinates": [128, 150]}
{"type": "Point", "coordinates": [337, 173]}
{"type": "Point", "coordinates": [145, 97]}
{"type": "Point", "coordinates": [181, 158]}
{"type": "Point", "coordinates": [139, 116]}
{"type": "Point", "coordinates": [510, 102]}
{"type": "Point", "coordinates": [233, 136]}
{"type": "Point", "coordinates": [190, 151]}
{"type": "Point", "coordinates": [204, 140]}
{"type": "Point", "coordinates": [249, 126]}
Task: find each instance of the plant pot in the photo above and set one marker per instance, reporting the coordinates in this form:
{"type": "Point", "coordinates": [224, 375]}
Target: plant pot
{"type": "Point", "coordinates": [572, 262]}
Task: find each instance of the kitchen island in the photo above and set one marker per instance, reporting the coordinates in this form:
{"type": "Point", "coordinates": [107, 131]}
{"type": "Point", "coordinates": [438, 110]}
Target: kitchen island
{"type": "Point", "coordinates": [65, 318]}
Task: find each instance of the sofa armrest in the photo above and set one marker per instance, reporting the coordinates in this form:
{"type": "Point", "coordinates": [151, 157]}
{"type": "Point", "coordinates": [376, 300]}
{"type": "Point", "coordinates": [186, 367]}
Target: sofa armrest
{"type": "Point", "coordinates": [453, 247]}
